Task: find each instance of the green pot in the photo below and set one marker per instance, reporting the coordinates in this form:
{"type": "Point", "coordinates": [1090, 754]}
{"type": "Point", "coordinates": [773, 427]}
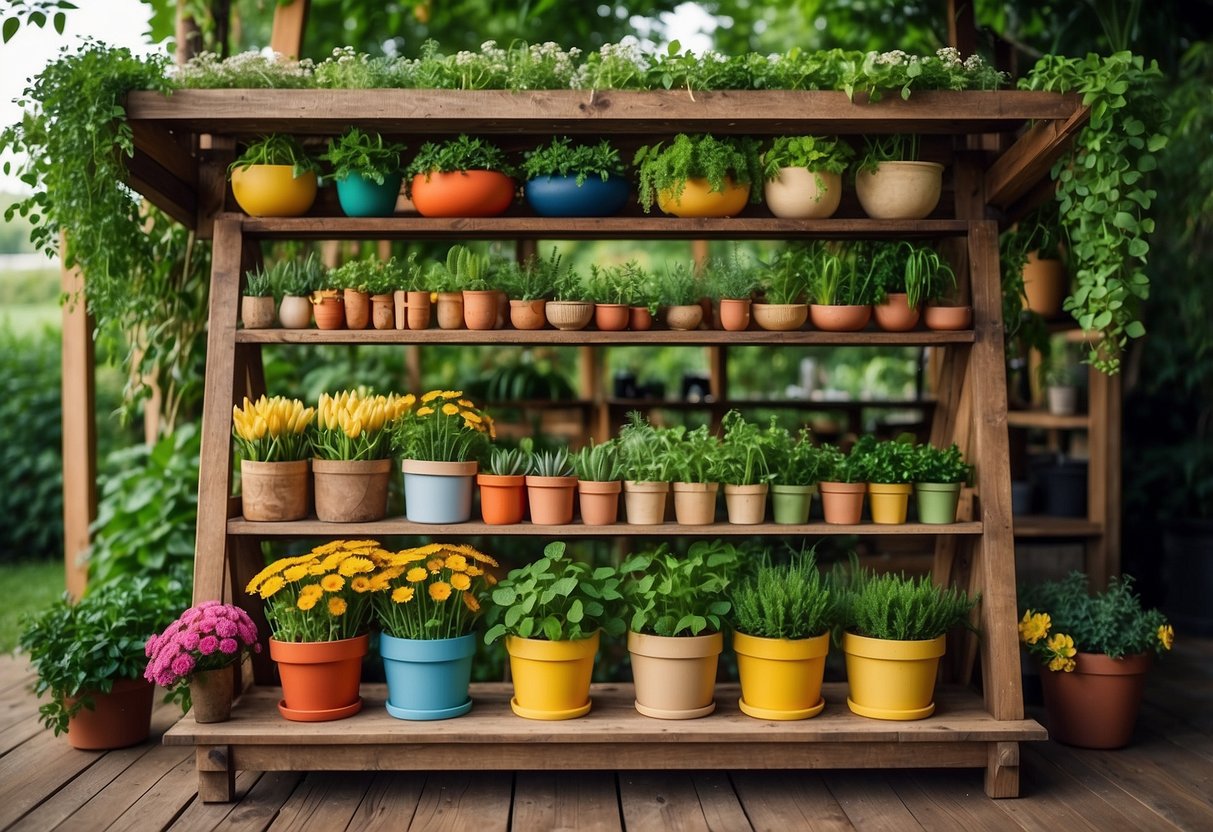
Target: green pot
{"type": "Point", "coordinates": [791, 503]}
{"type": "Point", "coordinates": [937, 501]}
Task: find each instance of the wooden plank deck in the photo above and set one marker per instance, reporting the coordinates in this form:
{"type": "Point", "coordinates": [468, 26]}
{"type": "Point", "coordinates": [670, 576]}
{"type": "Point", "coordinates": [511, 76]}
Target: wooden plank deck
{"type": "Point", "coordinates": [1163, 781]}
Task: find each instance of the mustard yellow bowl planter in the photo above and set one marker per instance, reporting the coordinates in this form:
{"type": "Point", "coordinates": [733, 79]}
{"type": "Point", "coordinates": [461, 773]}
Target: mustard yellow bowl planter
{"type": "Point", "coordinates": [551, 678]}
{"type": "Point", "coordinates": [891, 679]}
{"type": "Point", "coordinates": [273, 190]}
{"type": "Point", "coordinates": [889, 502]}
{"type": "Point", "coordinates": [781, 678]}
{"type": "Point", "coordinates": [699, 200]}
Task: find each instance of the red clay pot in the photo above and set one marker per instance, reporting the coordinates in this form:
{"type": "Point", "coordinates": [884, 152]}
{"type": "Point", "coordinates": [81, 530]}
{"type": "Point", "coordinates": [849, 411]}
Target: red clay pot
{"type": "Point", "coordinates": [468, 193]}
{"type": "Point", "coordinates": [1095, 705]}
{"type": "Point", "coordinates": [840, 318]}
{"type": "Point", "coordinates": [611, 317]}
{"type": "Point", "coordinates": [480, 308]}
{"type": "Point", "coordinates": [895, 314]}
{"type": "Point", "coordinates": [418, 310]}
{"type": "Point", "coordinates": [383, 311]}
{"type": "Point", "coordinates": [551, 499]}
{"type": "Point", "coordinates": [599, 502]}
{"type": "Point", "coordinates": [319, 678]}
{"type": "Point", "coordinates": [357, 309]}
{"type": "Point", "coordinates": [528, 314]}
{"type": "Point", "coordinates": [329, 310]}
{"type": "Point", "coordinates": [640, 319]}
{"type": "Point", "coordinates": [842, 502]}
{"type": "Point", "coordinates": [735, 314]}
{"type": "Point", "coordinates": [502, 498]}
{"type": "Point", "coordinates": [119, 718]}
{"type": "Point", "coordinates": [948, 318]}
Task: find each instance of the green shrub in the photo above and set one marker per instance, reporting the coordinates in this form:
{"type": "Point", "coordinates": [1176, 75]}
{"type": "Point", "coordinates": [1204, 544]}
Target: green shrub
{"type": "Point", "coordinates": [787, 600]}
{"type": "Point", "coordinates": [899, 608]}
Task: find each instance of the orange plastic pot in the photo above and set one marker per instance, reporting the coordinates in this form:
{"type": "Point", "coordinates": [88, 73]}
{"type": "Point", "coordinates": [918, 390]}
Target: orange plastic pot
{"type": "Point", "coordinates": [502, 498]}
{"type": "Point", "coordinates": [611, 317]}
{"type": "Point", "coordinates": [273, 190]}
{"type": "Point", "coordinates": [119, 718]}
{"type": "Point", "coordinates": [467, 193]}
{"type": "Point", "coordinates": [842, 502]}
{"type": "Point", "coordinates": [480, 308]}
{"type": "Point", "coordinates": [735, 314]}
{"type": "Point", "coordinates": [319, 678]}
{"type": "Point", "coordinates": [699, 200]}
{"type": "Point", "coordinates": [599, 502]}
{"type": "Point", "coordinates": [840, 318]}
{"type": "Point", "coordinates": [895, 314]}
{"type": "Point", "coordinates": [551, 499]}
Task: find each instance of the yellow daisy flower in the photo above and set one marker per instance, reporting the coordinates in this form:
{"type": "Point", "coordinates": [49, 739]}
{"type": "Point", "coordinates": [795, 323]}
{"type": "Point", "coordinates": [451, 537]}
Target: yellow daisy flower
{"type": "Point", "coordinates": [429, 397]}
{"type": "Point", "coordinates": [331, 546]}
{"type": "Point", "coordinates": [417, 574]}
{"type": "Point", "coordinates": [356, 565]}
{"type": "Point", "coordinates": [272, 584]}
{"type": "Point", "coordinates": [1034, 626]}
{"type": "Point", "coordinates": [460, 581]}
{"type": "Point", "coordinates": [466, 403]}
{"type": "Point", "coordinates": [440, 590]}
{"type": "Point", "coordinates": [1065, 665]}
{"type": "Point", "coordinates": [449, 409]}
{"type": "Point", "coordinates": [424, 411]}
{"type": "Point", "coordinates": [306, 602]}
{"type": "Point", "coordinates": [1061, 645]}
{"type": "Point", "coordinates": [313, 590]}
{"type": "Point", "coordinates": [470, 602]}
{"type": "Point", "coordinates": [434, 565]}
{"type": "Point", "coordinates": [360, 583]}
{"type": "Point", "coordinates": [295, 573]}
{"type": "Point", "coordinates": [1166, 635]}
{"type": "Point", "coordinates": [474, 571]}
{"type": "Point", "coordinates": [456, 563]}
{"type": "Point", "coordinates": [337, 606]}
{"type": "Point", "coordinates": [471, 416]}
{"type": "Point", "coordinates": [332, 583]}
{"type": "Point", "coordinates": [452, 394]}
{"type": "Point", "coordinates": [402, 594]}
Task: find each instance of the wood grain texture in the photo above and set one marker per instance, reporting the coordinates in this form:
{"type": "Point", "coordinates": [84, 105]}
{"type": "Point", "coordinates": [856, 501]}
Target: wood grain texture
{"type": "Point", "coordinates": [78, 395]}
{"type": "Point", "coordinates": [1045, 526]}
{"type": "Point", "coordinates": [575, 801]}
{"type": "Point", "coordinates": [873, 805]}
{"type": "Point", "coordinates": [464, 800]}
{"type": "Point", "coordinates": [322, 802]}
{"type": "Point", "coordinates": [719, 803]}
{"type": "Point", "coordinates": [1044, 420]}
{"type": "Point", "coordinates": [126, 789]}
{"type": "Point", "coordinates": [664, 801]}
{"type": "Point", "coordinates": [779, 802]}
{"type": "Point", "coordinates": [1027, 162]}
{"type": "Point", "coordinates": [389, 803]}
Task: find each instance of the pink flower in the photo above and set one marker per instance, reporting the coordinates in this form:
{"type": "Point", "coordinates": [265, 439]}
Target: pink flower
{"type": "Point", "coordinates": [225, 628]}
{"type": "Point", "coordinates": [183, 664]}
{"type": "Point", "coordinates": [248, 633]}
{"type": "Point", "coordinates": [228, 645]}
{"type": "Point", "coordinates": [208, 645]}
{"type": "Point", "coordinates": [206, 625]}
{"type": "Point", "coordinates": [150, 647]}
{"type": "Point", "coordinates": [189, 641]}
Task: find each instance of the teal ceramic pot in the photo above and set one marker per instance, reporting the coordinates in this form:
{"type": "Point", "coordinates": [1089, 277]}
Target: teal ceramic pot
{"type": "Point", "coordinates": [937, 502]}
{"type": "Point", "coordinates": [361, 197]}
{"type": "Point", "coordinates": [428, 678]}
{"type": "Point", "coordinates": [438, 492]}
{"type": "Point", "coordinates": [561, 196]}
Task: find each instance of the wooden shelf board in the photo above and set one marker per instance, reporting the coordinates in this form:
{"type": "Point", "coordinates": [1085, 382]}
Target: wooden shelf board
{"type": "Point", "coordinates": [401, 526]}
{"type": "Point", "coordinates": [1045, 420]}
{"type": "Point", "coordinates": [773, 404]}
{"type": "Point", "coordinates": [1044, 526]}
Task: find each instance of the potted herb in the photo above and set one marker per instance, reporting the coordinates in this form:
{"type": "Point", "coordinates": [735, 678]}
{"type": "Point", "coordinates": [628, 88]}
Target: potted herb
{"type": "Point", "coordinates": [745, 468]}
{"type": "Point", "coordinates": [257, 303]}
{"type": "Point", "coordinates": [528, 287]}
{"type": "Point", "coordinates": [844, 482]}
{"type": "Point", "coordinates": [840, 287]}
{"type": "Point", "coordinates": [352, 461]}
{"type": "Point", "coordinates": [569, 310]}
{"type": "Point", "coordinates": [611, 288]}
{"type": "Point", "coordinates": [319, 609]}
{"type": "Point", "coordinates": [1095, 650]}
{"type": "Point", "coordinates": [731, 281]}
{"type": "Point", "coordinates": [939, 474]}
{"type": "Point", "coordinates": [894, 635]}
{"type": "Point", "coordinates": [782, 616]}
{"type": "Point", "coordinates": [550, 484]}
{"type": "Point", "coordinates": [382, 283]}
{"type": "Point", "coordinates": [782, 308]}
{"type": "Point", "coordinates": [295, 280]}
{"type": "Point", "coordinates": [645, 291]}
{"type": "Point", "coordinates": [892, 184]}
{"type": "Point", "coordinates": [582, 180]}
{"type": "Point", "coordinates": [699, 176]}
{"type": "Point", "coordinates": [472, 271]}
{"type": "Point", "coordinates": [89, 655]}
{"type": "Point", "coordinates": [367, 171]}
{"type": "Point", "coordinates": [418, 284]}
{"type": "Point", "coordinates": [274, 177]}
{"type": "Point", "coordinates": [891, 469]}
{"type": "Point", "coordinates": [503, 486]}
{"type": "Point", "coordinates": [598, 482]}
{"type": "Point", "coordinates": [550, 612]}
{"type": "Point", "coordinates": [448, 288]}
{"type": "Point", "coordinates": [677, 611]}
{"type": "Point", "coordinates": [328, 302]}
{"type": "Point", "coordinates": [440, 442]}
{"type": "Point", "coordinates": [647, 470]}
{"type": "Point", "coordinates": [274, 444]}
{"type": "Point", "coordinates": [462, 177]}
{"type": "Point", "coordinates": [796, 467]}
{"type": "Point", "coordinates": [680, 293]}
{"type": "Point", "coordinates": [428, 608]}
{"type": "Point", "coordinates": [924, 276]}
{"type": "Point", "coordinates": [355, 279]}
{"type": "Point", "coordinates": [695, 462]}
{"type": "Point", "coordinates": [1061, 389]}
{"type": "Point", "coordinates": [803, 176]}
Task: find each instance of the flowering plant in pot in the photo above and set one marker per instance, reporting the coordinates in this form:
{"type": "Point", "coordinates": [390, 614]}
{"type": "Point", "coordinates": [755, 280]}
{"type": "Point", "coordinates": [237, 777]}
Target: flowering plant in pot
{"type": "Point", "coordinates": [695, 466]}
{"type": "Point", "coordinates": [295, 280]}
{"type": "Point", "coordinates": [803, 175]}
{"type": "Point", "coordinates": [428, 600]}
{"type": "Point", "coordinates": [647, 470]}
{"type": "Point", "coordinates": [892, 184]}
{"type": "Point", "coordinates": [680, 293]}
{"type": "Point", "coordinates": [367, 171]}
{"type": "Point", "coordinates": [274, 444]}
{"type": "Point", "coordinates": [843, 484]}
{"type": "Point", "coordinates": [677, 609]}
{"type": "Point", "coordinates": [441, 442]}
{"type": "Point", "coordinates": [782, 616]}
{"type": "Point", "coordinates": [699, 176]}
{"type": "Point", "coordinates": [891, 466]}
{"type": "Point", "coordinates": [1096, 649]}
{"type": "Point", "coordinates": [840, 287]}
{"type": "Point", "coordinates": [731, 280]}
{"type": "Point", "coordinates": [745, 468]}
{"type": "Point", "coordinates": [612, 288]}
{"type": "Point", "coordinates": [796, 466]}
{"type": "Point", "coordinates": [528, 286]}
{"type": "Point", "coordinates": [939, 474]}
{"type": "Point", "coordinates": [551, 482]}
{"type": "Point", "coordinates": [274, 177]}
{"type": "Point", "coordinates": [195, 657]}
{"type": "Point", "coordinates": [318, 605]}
{"type": "Point", "coordinates": [89, 656]}
{"type": "Point", "coordinates": [257, 302]}
{"type": "Point", "coordinates": [503, 486]}
{"type": "Point", "coordinates": [782, 307]}
{"type": "Point", "coordinates": [599, 475]}
{"type": "Point", "coordinates": [550, 613]}
{"type": "Point", "coordinates": [582, 180]}
{"type": "Point", "coordinates": [352, 462]}
{"type": "Point", "coordinates": [462, 177]}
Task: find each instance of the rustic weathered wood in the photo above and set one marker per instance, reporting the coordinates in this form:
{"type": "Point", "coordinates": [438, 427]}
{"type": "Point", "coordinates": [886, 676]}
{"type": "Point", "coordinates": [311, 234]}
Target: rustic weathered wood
{"type": "Point", "coordinates": [661, 802]}
{"type": "Point", "coordinates": [721, 808]}
{"type": "Point", "coordinates": [873, 805]}
{"type": "Point", "coordinates": [1027, 162]}
{"type": "Point", "coordinates": [216, 773]}
{"type": "Point", "coordinates": [1103, 477]}
{"type": "Point", "coordinates": [566, 801]}
{"type": "Point", "coordinates": [1044, 420]}
{"type": "Point", "coordinates": [78, 397]}
{"type": "Point", "coordinates": [162, 189]}
{"type": "Point", "coordinates": [1002, 771]}
{"type": "Point", "coordinates": [464, 800]}
{"type": "Point", "coordinates": [780, 802]}
{"type": "Point", "coordinates": [1044, 526]}
{"type": "Point", "coordinates": [157, 807]}
{"type": "Point", "coordinates": [213, 160]}
{"type": "Point", "coordinates": [168, 150]}
{"type": "Point", "coordinates": [944, 800]}
{"type": "Point", "coordinates": [323, 801]}
{"type": "Point", "coordinates": [290, 22]}
{"type": "Point", "coordinates": [962, 27]}
{"type": "Point", "coordinates": [389, 803]}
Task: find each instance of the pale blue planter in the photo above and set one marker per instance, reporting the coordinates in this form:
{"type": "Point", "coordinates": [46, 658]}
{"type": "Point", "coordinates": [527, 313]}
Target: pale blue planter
{"type": "Point", "coordinates": [428, 678]}
{"type": "Point", "coordinates": [438, 492]}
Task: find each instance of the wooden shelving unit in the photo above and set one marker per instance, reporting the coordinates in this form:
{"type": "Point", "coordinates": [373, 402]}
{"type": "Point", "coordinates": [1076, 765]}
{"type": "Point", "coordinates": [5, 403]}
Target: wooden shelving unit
{"type": "Point", "coordinates": [968, 730]}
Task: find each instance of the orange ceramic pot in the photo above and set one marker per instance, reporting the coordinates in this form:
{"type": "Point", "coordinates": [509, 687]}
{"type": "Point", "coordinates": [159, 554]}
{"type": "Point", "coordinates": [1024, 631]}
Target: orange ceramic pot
{"type": "Point", "coordinates": [1095, 705]}
{"type": "Point", "coordinates": [895, 314]}
{"type": "Point", "coordinates": [357, 309]}
{"type": "Point", "coordinates": [1044, 285]}
{"type": "Point", "coordinates": [502, 498]}
{"type": "Point", "coordinates": [551, 499]}
{"type": "Point", "coordinates": [319, 678]}
{"type": "Point", "coordinates": [450, 310]}
{"type": "Point", "coordinates": [383, 311]}
{"type": "Point", "coordinates": [611, 317]}
{"type": "Point", "coordinates": [329, 309]}
{"type": "Point", "coordinates": [842, 502]}
{"type": "Point", "coordinates": [599, 502]}
{"type": "Point", "coordinates": [468, 193]}
{"type": "Point", "coordinates": [528, 314]}
{"type": "Point", "coordinates": [948, 318]}
{"type": "Point", "coordinates": [418, 310]}
{"type": "Point", "coordinates": [480, 309]}
{"type": "Point", "coordinates": [640, 319]}
{"type": "Point", "coordinates": [840, 318]}
{"type": "Point", "coordinates": [735, 314]}
{"type": "Point", "coordinates": [117, 719]}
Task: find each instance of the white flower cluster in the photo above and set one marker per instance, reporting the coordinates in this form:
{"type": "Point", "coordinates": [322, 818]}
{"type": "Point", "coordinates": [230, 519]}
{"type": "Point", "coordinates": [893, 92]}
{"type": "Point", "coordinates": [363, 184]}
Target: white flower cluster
{"type": "Point", "coordinates": [894, 58]}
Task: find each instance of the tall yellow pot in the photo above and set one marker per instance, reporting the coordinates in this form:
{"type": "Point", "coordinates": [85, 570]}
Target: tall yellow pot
{"type": "Point", "coordinates": [892, 679]}
{"type": "Point", "coordinates": [781, 678]}
{"type": "Point", "coordinates": [551, 678]}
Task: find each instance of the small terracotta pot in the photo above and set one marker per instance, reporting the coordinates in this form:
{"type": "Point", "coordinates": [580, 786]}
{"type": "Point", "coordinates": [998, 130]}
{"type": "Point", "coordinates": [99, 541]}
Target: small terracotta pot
{"type": "Point", "coordinates": [842, 502]}
{"type": "Point", "coordinates": [948, 318]}
{"type": "Point", "coordinates": [479, 309]}
{"type": "Point", "coordinates": [357, 309]}
{"type": "Point", "coordinates": [840, 318]}
{"type": "Point", "coordinates": [699, 200]}
{"type": "Point", "coordinates": [1096, 704]}
{"type": "Point", "coordinates": [895, 314]}
{"type": "Point", "coordinates": [383, 312]}
{"type": "Point", "coordinates": [502, 498]}
{"type": "Point", "coordinates": [569, 315]}
{"type": "Point", "coordinates": [684, 318]}
{"type": "Point", "coordinates": [900, 190]}
{"type": "Point", "coordinates": [695, 503]}
{"type": "Point", "coordinates": [450, 310]}
{"type": "Point", "coordinates": [274, 491]}
{"type": "Point", "coordinates": [599, 502]}
{"type": "Point", "coordinates": [735, 314]}
{"type": "Point", "coordinates": [675, 676]}
{"type": "Point", "coordinates": [419, 310]}
{"type": "Point", "coordinates": [351, 491]}
{"type": "Point", "coordinates": [295, 312]}
{"type": "Point", "coordinates": [257, 313]}
{"type": "Point", "coordinates": [118, 719]}
{"type": "Point", "coordinates": [527, 314]}
{"type": "Point", "coordinates": [1044, 285]}
{"type": "Point", "coordinates": [803, 194]}
{"type": "Point", "coordinates": [611, 317]}
{"type": "Point", "coordinates": [746, 504]}
{"type": "Point", "coordinates": [320, 678]}
{"type": "Point", "coordinates": [400, 309]}
{"type": "Point", "coordinates": [645, 502]}
{"type": "Point", "coordinates": [329, 309]}
{"type": "Point", "coordinates": [640, 319]}
{"type": "Point", "coordinates": [780, 317]}
{"type": "Point", "coordinates": [211, 694]}
{"type": "Point", "coordinates": [551, 499]}
{"type": "Point", "coordinates": [466, 193]}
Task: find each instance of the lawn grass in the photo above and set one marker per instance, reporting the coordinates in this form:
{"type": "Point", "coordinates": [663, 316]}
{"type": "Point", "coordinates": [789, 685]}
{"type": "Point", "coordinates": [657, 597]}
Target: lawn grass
{"type": "Point", "coordinates": [36, 584]}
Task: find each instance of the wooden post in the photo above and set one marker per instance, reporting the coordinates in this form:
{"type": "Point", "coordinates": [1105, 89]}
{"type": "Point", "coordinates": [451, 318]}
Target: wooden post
{"type": "Point", "coordinates": [290, 20]}
{"type": "Point", "coordinates": [78, 398]}
{"type": "Point", "coordinates": [1103, 477]}
{"type": "Point", "coordinates": [962, 27]}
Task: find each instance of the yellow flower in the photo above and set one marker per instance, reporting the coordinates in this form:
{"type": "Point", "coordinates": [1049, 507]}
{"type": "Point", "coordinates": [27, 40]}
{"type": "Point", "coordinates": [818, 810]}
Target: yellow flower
{"type": "Point", "coordinates": [316, 569]}
{"type": "Point", "coordinates": [360, 584]}
{"type": "Point", "coordinates": [449, 409]}
{"type": "Point", "coordinates": [479, 557]}
{"type": "Point", "coordinates": [1066, 665]}
{"type": "Point", "coordinates": [465, 403]}
{"type": "Point", "coordinates": [380, 582]}
{"type": "Point", "coordinates": [306, 602]}
{"type": "Point", "coordinates": [460, 581]}
{"type": "Point", "coordinates": [434, 565]}
{"type": "Point", "coordinates": [272, 584]}
{"type": "Point", "coordinates": [326, 548]}
{"type": "Point", "coordinates": [1034, 626]}
{"type": "Point", "coordinates": [408, 401]}
{"type": "Point", "coordinates": [402, 594]}
{"type": "Point", "coordinates": [456, 563]}
{"type": "Point", "coordinates": [332, 583]}
{"type": "Point", "coordinates": [490, 579]}
{"type": "Point", "coordinates": [469, 601]}
{"type": "Point", "coordinates": [416, 575]}
{"type": "Point", "coordinates": [294, 573]}
{"type": "Point", "coordinates": [451, 394]}
{"type": "Point", "coordinates": [424, 411]}
{"type": "Point", "coordinates": [474, 571]}
{"type": "Point", "coordinates": [1166, 635]}
{"type": "Point", "coordinates": [356, 565]}
{"type": "Point", "coordinates": [429, 397]}
{"type": "Point", "coordinates": [471, 416]}
{"type": "Point", "coordinates": [313, 590]}
{"type": "Point", "coordinates": [1061, 649]}
{"type": "Point", "coordinates": [440, 590]}
{"type": "Point", "coordinates": [337, 606]}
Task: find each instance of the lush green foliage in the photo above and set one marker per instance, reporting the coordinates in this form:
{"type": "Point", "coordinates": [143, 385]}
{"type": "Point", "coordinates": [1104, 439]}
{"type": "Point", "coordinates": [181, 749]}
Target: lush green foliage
{"type": "Point", "coordinates": [508, 462]}
{"type": "Point", "coordinates": [913, 268]}
{"type": "Point", "coordinates": [666, 168]}
{"type": "Point", "coordinates": [277, 149]}
{"type": "Point", "coordinates": [644, 451]}
{"type": "Point", "coordinates": [888, 461]}
{"type": "Point", "coordinates": [784, 277]}
{"type": "Point", "coordinates": [297, 277]}
{"type": "Point", "coordinates": [368, 274]}
{"type": "Point", "coordinates": [941, 465]}
{"type": "Point", "coordinates": [839, 274]}
{"type": "Point", "coordinates": [599, 462]}
{"type": "Point", "coordinates": [745, 452]}
{"type": "Point", "coordinates": [678, 285]}
{"type": "Point", "coordinates": [555, 463]}
{"type": "Point", "coordinates": [1113, 622]}
{"type": "Point", "coordinates": [458, 154]}
{"type": "Point", "coordinates": [563, 158]}
{"type": "Point", "coordinates": [794, 459]}
{"type": "Point", "coordinates": [670, 595]}
{"type": "Point", "coordinates": [786, 600]}
{"type": "Point", "coordinates": [695, 455]}
{"type": "Point", "coordinates": [557, 599]}
{"type": "Point", "coordinates": [613, 284]}
{"type": "Point", "coordinates": [247, 70]}
{"type": "Point", "coordinates": [258, 283]}
{"type": "Point", "coordinates": [895, 147]}
{"type": "Point", "coordinates": [883, 72]}
{"type": "Point", "coordinates": [523, 281]}
{"type": "Point", "coordinates": [364, 154]}
{"type": "Point", "coordinates": [895, 607]}
{"type": "Point", "coordinates": [837, 466]}
{"type": "Point", "coordinates": [733, 277]}
{"type": "Point", "coordinates": [822, 154]}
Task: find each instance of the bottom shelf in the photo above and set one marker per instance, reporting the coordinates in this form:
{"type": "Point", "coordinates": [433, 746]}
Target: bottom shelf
{"type": "Point", "coordinates": [612, 736]}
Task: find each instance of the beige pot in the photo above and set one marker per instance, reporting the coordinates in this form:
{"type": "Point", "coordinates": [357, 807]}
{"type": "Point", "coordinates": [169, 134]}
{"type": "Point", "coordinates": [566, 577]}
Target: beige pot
{"type": "Point", "coordinates": [644, 502]}
{"type": "Point", "coordinates": [419, 310]}
{"type": "Point", "coordinates": [780, 317]}
{"type": "Point", "coordinates": [351, 491]}
{"type": "Point", "coordinates": [695, 503]}
{"type": "Point", "coordinates": [569, 315]}
{"type": "Point", "coordinates": [383, 311]}
{"type": "Point", "coordinates": [295, 312]}
{"type": "Point", "coordinates": [400, 309]}
{"type": "Point", "coordinates": [357, 309]}
{"type": "Point", "coordinates": [802, 194]}
{"type": "Point", "coordinates": [746, 504]}
{"type": "Point", "coordinates": [675, 677]}
{"type": "Point", "coordinates": [527, 314]}
{"type": "Point", "coordinates": [450, 310]}
{"type": "Point", "coordinates": [274, 491]}
{"type": "Point", "coordinates": [257, 313]}
{"type": "Point", "coordinates": [900, 190]}
{"type": "Point", "coordinates": [684, 318]}
{"type": "Point", "coordinates": [1044, 285]}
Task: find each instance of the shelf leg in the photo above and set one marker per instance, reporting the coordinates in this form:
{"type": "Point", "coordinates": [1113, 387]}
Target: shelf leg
{"type": "Point", "coordinates": [1002, 769]}
{"type": "Point", "coordinates": [216, 777]}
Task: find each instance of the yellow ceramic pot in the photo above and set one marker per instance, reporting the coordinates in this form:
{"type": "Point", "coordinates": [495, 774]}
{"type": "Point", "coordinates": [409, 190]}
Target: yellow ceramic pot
{"type": "Point", "coordinates": [889, 502]}
{"type": "Point", "coordinates": [551, 678]}
{"type": "Point", "coordinates": [891, 679]}
{"type": "Point", "coordinates": [273, 190]}
{"type": "Point", "coordinates": [781, 678]}
{"type": "Point", "coordinates": [699, 200]}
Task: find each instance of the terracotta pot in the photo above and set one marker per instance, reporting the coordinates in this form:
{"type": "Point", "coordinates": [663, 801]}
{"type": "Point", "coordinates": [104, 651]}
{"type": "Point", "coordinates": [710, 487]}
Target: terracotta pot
{"type": "Point", "coordinates": [842, 502]}
{"type": "Point", "coordinates": [781, 678]}
{"type": "Point", "coordinates": [502, 498]}
{"type": "Point", "coordinates": [948, 318]}
{"type": "Point", "coordinates": [684, 318]}
{"type": "Point", "coordinates": [895, 314]}
{"type": "Point", "coordinates": [735, 314]}
{"type": "Point", "coordinates": [274, 491]}
{"type": "Point", "coordinates": [211, 694]}
{"type": "Point", "coordinates": [699, 200]}
{"type": "Point", "coordinates": [351, 491]}
{"type": "Point", "coordinates": [503, 309]}
{"type": "Point", "coordinates": [419, 310]}
{"type": "Point", "coordinates": [889, 502]}
{"type": "Point", "coordinates": [780, 317]}
{"type": "Point", "coordinates": [257, 313]}
{"type": "Point", "coordinates": [675, 676]}
{"type": "Point", "coordinates": [295, 312]}
{"type": "Point", "coordinates": [383, 311]}
{"type": "Point", "coordinates": [695, 503]}
{"type": "Point", "coordinates": [357, 309]}
{"type": "Point", "coordinates": [746, 504]}
{"type": "Point", "coordinates": [118, 719]}
{"type": "Point", "coordinates": [1095, 705]}
{"type": "Point", "coordinates": [840, 318]}
{"type": "Point", "coordinates": [551, 678]}
{"type": "Point", "coordinates": [479, 309]}
{"type": "Point", "coordinates": [803, 194]}
{"type": "Point", "coordinates": [599, 502]}
{"type": "Point", "coordinates": [329, 309]}
{"type": "Point", "coordinates": [450, 310]}
{"type": "Point", "coordinates": [900, 190]}
{"type": "Point", "coordinates": [611, 317]}
{"type": "Point", "coordinates": [273, 190]}
{"type": "Point", "coordinates": [468, 193]}
{"type": "Point", "coordinates": [892, 679]}
{"type": "Point", "coordinates": [569, 315]}
{"type": "Point", "coordinates": [319, 678]}
{"type": "Point", "coordinates": [400, 309]}
{"type": "Point", "coordinates": [551, 499]}
{"type": "Point", "coordinates": [640, 319]}
{"type": "Point", "coordinates": [645, 502]}
{"type": "Point", "coordinates": [527, 314]}
{"type": "Point", "coordinates": [1044, 285]}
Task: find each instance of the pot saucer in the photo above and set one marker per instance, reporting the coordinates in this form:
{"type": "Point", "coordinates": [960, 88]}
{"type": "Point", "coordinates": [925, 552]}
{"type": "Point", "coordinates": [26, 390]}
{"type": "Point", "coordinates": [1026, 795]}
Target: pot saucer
{"type": "Point", "coordinates": [326, 715]}
{"type": "Point", "coordinates": [416, 714]}
{"type": "Point", "coordinates": [890, 713]}
{"type": "Point", "coordinates": [781, 716]}
{"type": "Point", "coordinates": [549, 716]}
{"type": "Point", "coordinates": [688, 713]}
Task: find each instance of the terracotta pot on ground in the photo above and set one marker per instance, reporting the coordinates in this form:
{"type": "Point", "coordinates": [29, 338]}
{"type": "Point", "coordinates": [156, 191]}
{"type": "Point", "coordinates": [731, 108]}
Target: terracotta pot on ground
{"type": "Point", "coordinates": [695, 503]}
{"type": "Point", "coordinates": [611, 317]}
{"type": "Point", "coordinates": [842, 502]}
{"type": "Point", "coordinates": [675, 676]}
{"type": "Point", "coordinates": [640, 319]}
{"type": "Point", "coordinates": [781, 678]}
{"type": "Point", "coordinates": [746, 504]}
{"type": "Point", "coordinates": [466, 193]}
{"type": "Point", "coordinates": [319, 678]}
{"type": "Point", "coordinates": [329, 309]}
{"type": "Point", "coordinates": [1044, 285]}
{"type": "Point", "coordinates": [699, 200]}
{"type": "Point", "coordinates": [551, 678]}
{"type": "Point", "coordinates": [357, 309]}
{"type": "Point", "coordinates": [295, 312]}
{"type": "Point", "coordinates": [273, 190]}
{"type": "Point", "coordinates": [1095, 705]}
{"type": "Point", "coordinates": [211, 694]}
{"type": "Point", "coordinates": [803, 194]}
{"type": "Point", "coordinates": [351, 491]}
{"type": "Point", "coordinates": [551, 499]}
{"type": "Point", "coordinates": [892, 679]}
{"type": "Point", "coordinates": [889, 502]}
{"type": "Point", "coordinates": [120, 718]}
{"type": "Point", "coordinates": [900, 190]}
{"type": "Point", "coordinates": [502, 498]}
{"type": "Point", "coordinates": [383, 312]}
{"type": "Point", "coordinates": [569, 315]}
{"type": "Point", "coordinates": [479, 309]}
{"type": "Point", "coordinates": [684, 318]}
{"type": "Point", "coordinates": [274, 491]}
{"type": "Point", "coordinates": [846, 318]}
{"type": "Point", "coordinates": [256, 313]}
{"type": "Point", "coordinates": [450, 310]}
{"type": "Point", "coordinates": [735, 314]}
{"type": "Point", "coordinates": [528, 314]}
{"type": "Point", "coordinates": [645, 502]}
{"type": "Point", "coordinates": [419, 310]}
{"type": "Point", "coordinates": [599, 502]}
{"type": "Point", "coordinates": [948, 318]}
{"type": "Point", "coordinates": [400, 309]}
{"type": "Point", "coordinates": [780, 317]}
{"type": "Point", "coordinates": [895, 314]}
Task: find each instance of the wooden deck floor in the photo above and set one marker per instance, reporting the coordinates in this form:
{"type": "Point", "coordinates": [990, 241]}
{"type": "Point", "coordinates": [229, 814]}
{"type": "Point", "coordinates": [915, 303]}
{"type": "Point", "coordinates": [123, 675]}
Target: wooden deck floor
{"type": "Point", "coordinates": [1164, 781]}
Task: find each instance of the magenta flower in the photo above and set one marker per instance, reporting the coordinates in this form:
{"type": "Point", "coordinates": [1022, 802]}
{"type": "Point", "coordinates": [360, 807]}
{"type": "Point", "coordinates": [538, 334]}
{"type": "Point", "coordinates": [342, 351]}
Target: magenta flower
{"type": "Point", "coordinates": [228, 646]}
{"type": "Point", "coordinates": [205, 637]}
{"type": "Point", "coordinates": [225, 628]}
{"type": "Point", "coordinates": [208, 645]}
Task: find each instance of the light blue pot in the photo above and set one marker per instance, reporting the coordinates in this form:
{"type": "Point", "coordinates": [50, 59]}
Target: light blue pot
{"type": "Point", "coordinates": [438, 492]}
{"type": "Point", "coordinates": [363, 198]}
{"type": "Point", "coordinates": [428, 679]}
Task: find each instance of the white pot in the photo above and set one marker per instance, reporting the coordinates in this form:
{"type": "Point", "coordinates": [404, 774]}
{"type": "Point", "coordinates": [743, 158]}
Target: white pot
{"type": "Point", "coordinates": [803, 194]}
{"type": "Point", "coordinates": [1063, 399]}
{"type": "Point", "coordinates": [900, 190]}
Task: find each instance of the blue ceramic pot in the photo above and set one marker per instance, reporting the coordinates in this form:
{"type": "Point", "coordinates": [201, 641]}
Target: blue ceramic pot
{"type": "Point", "coordinates": [438, 492]}
{"type": "Point", "coordinates": [428, 679]}
{"type": "Point", "coordinates": [561, 196]}
{"type": "Point", "coordinates": [363, 198]}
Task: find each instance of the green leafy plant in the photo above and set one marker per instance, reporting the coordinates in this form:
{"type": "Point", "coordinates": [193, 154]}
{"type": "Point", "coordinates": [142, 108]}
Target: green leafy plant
{"type": "Point", "coordinates": [898, 608]}
{"type": "Point", "coordinates": [785, 278]}
{"type": "Point", "coordinates": [258, 283]}
{"type": "Point", "coordinates": [508, 462]}
{"type": "Point", "coordinates": [926, 275]}
{"type": "Point", "coordinates": [887, 461]}
{"type": "Point", "coordinates": [599, 462]}
{"type": "Point", "coordinates": [523, 281]}
{"type": "Point", "coordinates": [695, 455]}
{"type": "Point", "coordinates": [566, 283]}
{"type": "Point", "coordinates": [368, 274]}
{"type": "Point", "coordinates": [275, 150]}
{"type": "Point", "coordinates": [348, 69]}
{"type": "Point", "coordinates": [555, 463]}
{"type": "Point", "coordinates": [816, 153]}
{"type": "Point", "coordinates": [297, 278]}
{"type": "Point", "coordinates": [679, 286]}
{"type": "Point", "coordinates": [789, 600]}
{"type": "Point", "coordinates": [895, 147]}
{"type": "Point", "coordinates": [667, 168]}
{"type": "Point", "coordinates": [840, 275]}
{"type": "Point", "coordinates": [733, 278]}
{"type": "Point", "coordinates": [745, 452]}
{"type": "Point", "coordinates": [795, 460]}
{"type": "Point", "coordinates": [670, 595]}
{"type": "Point", "coordinates": [463, 269]}
{"type": "Point", "coordinates": [563, 158]}
{"type": "Point", "coordinates": [837, 466]}
{"type": "Point", "coordinates": [243, 71]}
{"type": "Point", "coordinates": [612, 284]}
{"type": "Point", "coordinates": [883, 72]}
{"type": "Point", "coordinates": [458, 154]}
{"type": "Point", "coordinates": [443, 427]}
{"type": "Point", "coordinates": [941, 465]}
{"type": "Point", "coordinates": [363, 154]}
{"type": "Point", "coordinates": [644, 451]}
{"type": "Point", "coordinates": [557, 599]}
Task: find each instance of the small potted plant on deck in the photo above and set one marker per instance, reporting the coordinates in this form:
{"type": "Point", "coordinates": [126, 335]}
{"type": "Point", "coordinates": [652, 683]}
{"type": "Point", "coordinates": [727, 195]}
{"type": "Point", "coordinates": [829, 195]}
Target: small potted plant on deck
{"type": "Point", "coordinates": [745, 468]}
{"type": "Point", "coordinates": [939, 474]}
{"type": "Point", "coordinates": [892, 465]}
{"type": "Point", "coordinates": [551, 483]}
{"type": "Point", "coordinates": [274, 177]}
{"type": "Point", "coordinates": [782, 307]}
{"type": "Point", "coordinates": [732, 281]}
{"type": "Point", "coordinates": [567, 180]}
{"type": "Point", "coordinates": [803, 176]}
{"type": "Point", "coordinates": [295, 280]}
{"type": "Point", "coordinates": [275, 444]}
{"type": "Point", "coordinates": [352, 464]}
{"type": "Point", "coordinates": [570, 309]}
{"type": "Point", "coordinates": [840, 288]}
{"type": "Point", "coordinates": [528, 287]}
{"type": "Point", "coordinates": [367, 171]}
{"type": "Point", "coordinates": [892, 184]}
{"type": "Point", "coordinates": [907, 274]}
{"type": "Point", "coordinates": [354, 278]}
{"type": "Point", "coordinates": [611, 288]}
{"type": "Point", "coordinates": [462, 177]}
{"type": "Point", "coordinates": [843, 484]}
{"type": "Point", "coordinates": [647, 470]}
{"type": "Point", "coordinates": [257, 302]}
{"type": "Point", "coordinates": [599, 475]}
{"type": "Point", "coordinates": [680, 294]}
{"type": "Point", "coordinates": [796, 467]}
{"type": "Point", "coordinates": [699, 176]}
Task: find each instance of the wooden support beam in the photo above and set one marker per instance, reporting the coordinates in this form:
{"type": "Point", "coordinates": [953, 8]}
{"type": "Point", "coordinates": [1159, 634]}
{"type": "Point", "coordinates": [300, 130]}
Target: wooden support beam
{"type": "Point", "coordinates": [78, 398]}
{"type": "Point", "coordinates": [162, 189]}
{"type": "Point", "coordinates": [290, 22]}
{"type": "Point", "coordinates": [962, 27]}
{"type": "Point", "coordinates": [1103, 477]}
{"type": "Point", "coordinates": [1027, 162]}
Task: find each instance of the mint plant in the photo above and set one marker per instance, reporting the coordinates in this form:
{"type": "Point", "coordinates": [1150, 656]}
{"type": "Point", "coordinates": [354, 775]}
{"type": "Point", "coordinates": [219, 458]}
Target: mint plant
{"type": "Point", "coordinates": [670, 595]}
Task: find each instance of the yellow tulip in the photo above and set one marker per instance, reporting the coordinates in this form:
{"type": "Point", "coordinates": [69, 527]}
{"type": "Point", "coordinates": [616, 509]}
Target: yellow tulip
{"type": "Point", "coordinates": [274, 423]}
{"type": "Point", "coordinates": [259, 428]}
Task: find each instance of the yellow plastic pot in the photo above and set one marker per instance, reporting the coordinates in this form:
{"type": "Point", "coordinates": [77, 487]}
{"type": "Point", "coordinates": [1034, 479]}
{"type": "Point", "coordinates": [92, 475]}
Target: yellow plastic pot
{"type": "Point", "coordinates": [781, 678]}
{"type": "Point", "coordinates": [889, 502]}
{"type": "Point", "coordinates": [273, 190]}
{"type": "Point", "coordinates": [699, 200]}
{"type": "Point", "coordinates": [551, 678]}
{"type": "Point", "coordinates": [892, 679]}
